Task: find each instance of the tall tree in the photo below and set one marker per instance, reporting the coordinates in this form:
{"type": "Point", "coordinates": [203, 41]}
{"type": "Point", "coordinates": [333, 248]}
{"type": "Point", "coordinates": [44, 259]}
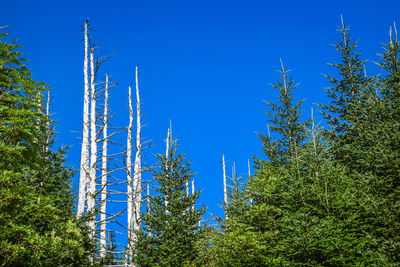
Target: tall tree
{"type": "Point", "coordinates": [104, 174]}
{"type": "Point", "coordinates": [348, 93]}
{"type": "Point", "coordinates": [284, 119]}
{"type": "Point", "coordinates": [130, 184]}
{"type": "Point", "coordinates": [170, 232]}
{"type": "Point", "coordinates": [37, 224]}
{"type": "Point", "coordinates": [84, 167]}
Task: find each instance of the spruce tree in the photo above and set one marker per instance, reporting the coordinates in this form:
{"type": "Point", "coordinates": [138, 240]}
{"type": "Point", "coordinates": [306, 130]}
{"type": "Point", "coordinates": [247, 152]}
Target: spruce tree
{"type": "Point", "coordinates": [237, 199]}
{"type": "Point", "coordinates": [284, 121]}
{"type": "Point", "coordinates": [251, 231]}
{"type": "Point", "coordinates": [171, 225]}
{"type": "Point", "coordinates": [364, 136]}
{"type": "Point", "coordinates": [349, 95]}
{"type": "Point", "coordinates": [334, 202]}
{"type": "Point", "coordinates": [37, 224]}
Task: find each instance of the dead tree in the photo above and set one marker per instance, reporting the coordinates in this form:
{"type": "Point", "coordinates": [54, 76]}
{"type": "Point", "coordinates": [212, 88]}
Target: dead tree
{"type": "Point", "coordinates": [93, 189]}
{"type": "Point", "coordinates": [129, 180]}
{"type": "Point", "coordinates": [134, 182]}
{"type": "Point", "coordinates": [84, 163]}
{"type": "Point", "coordinates": [167, 143]}
{"type": "Point", "coordinates": [138, 162]}
{"type": "Point", "coordinates": [224, 180]}
{"type": "Point", "coordinates": [193, 192]}
{"type": "Point", "coordinates": [103, 193]}
{"type": "Point", "coordinates": [91, 184]}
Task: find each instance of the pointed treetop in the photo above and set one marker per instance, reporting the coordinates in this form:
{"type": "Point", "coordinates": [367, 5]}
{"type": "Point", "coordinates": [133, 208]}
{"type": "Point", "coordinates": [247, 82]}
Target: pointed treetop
{"type": "Point", "coordinates": [282, 68]}
{"type": "Point", "coordinates": [341, 20]}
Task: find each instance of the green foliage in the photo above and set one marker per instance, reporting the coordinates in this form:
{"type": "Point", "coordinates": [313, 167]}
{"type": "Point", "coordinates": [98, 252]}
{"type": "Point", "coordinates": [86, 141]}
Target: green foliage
{"type": "Point", "coordinates": [170, 231]}
{"type": "Point", "coordinates": [323, 197]}
{"type": "Point", "coordinates": [237, 198]}
{"type": "Point", "coordinates": [369, 145]}
{"type": "Point", "coordinates": [330, 198]}
{"type": "Point", "coordinates": [350, 93]}
{"type": "Point", "coordinates": [285, 121]}
{"type": "Point", "coordinates": [37, 226]}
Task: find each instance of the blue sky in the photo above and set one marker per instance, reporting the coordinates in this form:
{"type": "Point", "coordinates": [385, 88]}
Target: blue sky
{"type": "Point", "coordinates": [204, 64]}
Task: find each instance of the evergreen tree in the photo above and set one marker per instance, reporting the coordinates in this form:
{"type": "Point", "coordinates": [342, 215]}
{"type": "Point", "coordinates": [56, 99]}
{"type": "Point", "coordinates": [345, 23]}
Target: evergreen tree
{"type": "Point", "coordinates": [309, 209]}
{"type": "Point", "coordinates": [365, 138]}
{"type": "Point", "coordinates": [237, 199]}
{"type": "Point", "coordinates": [37, 226]}
{"type": "Point", "coordinates": [246, 238]}
{"type": "Point", "coordinates": [304, 213]}
{"type": "Point", "coordinates": [350, 92]}
{"type": "Point", "coordinates": [171, 225]}
{"type": "Point", "coordinates": [284, 117]}
{"type": "Point", "coordinates": [362, 113]}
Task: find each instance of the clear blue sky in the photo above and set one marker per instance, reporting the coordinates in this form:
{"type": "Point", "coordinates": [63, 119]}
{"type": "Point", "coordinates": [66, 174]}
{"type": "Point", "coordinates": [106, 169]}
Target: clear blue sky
{"type": "Point", "coordinates": [204, 64]}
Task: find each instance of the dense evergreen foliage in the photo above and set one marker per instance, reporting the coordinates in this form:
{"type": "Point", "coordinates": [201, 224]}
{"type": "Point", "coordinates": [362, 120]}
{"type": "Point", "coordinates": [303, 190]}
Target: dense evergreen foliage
{"type": "Point", "coordinates": [284, 119]}
{"type": "Point", "coordinates": [172, 223]}
{"type": "Point", "coordinates": [330, 197]}
{"type": "Point", "coordinates": [37, 224]}
{"type": "Point", "coordinates": [320, 195]}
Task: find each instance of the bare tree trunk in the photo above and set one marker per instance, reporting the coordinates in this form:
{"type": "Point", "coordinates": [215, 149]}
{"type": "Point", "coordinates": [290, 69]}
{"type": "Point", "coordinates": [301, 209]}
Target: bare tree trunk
{"type": "Point", "coordinates": [137, 180]}
{"type": "Point", "coordinates": [167, 143]}
{"type": "Point", "coordinates": [148, 203]}
{"type": "Point", "coordinates": [224, 178]}
{"type": "Point", "coordinates": [166, 159]}
{"type": "Point", "coordinates": [84, 168]}
{"type": "Point", "coordinates": [193, 191]}
{"type": "Point", "coordinates": [48, 106]}
{"type": "Point", "coordinates": [48, 121]}
{"type": "Point", "coordinates": [248, 167]}
{"type": "Point", "coordinates": [93, 146]}
{"type": "Point", "coordinates": [103, 225]}
{"type": "Point", "coordinates": [130, 211]}
{"type": "Point", "coordinates": [147, 198]}
{"type": "Point", "coordinates": [138, 164]}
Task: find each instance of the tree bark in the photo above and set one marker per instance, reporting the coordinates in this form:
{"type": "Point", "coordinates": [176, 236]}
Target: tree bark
{"type": "Point", "coordinates": [166, 160]}
{"type": "Point", "coordinates": [224, 179]}
{"type": "Point", "coordinates": [93, 146]}
{"type": "Point", "coordinates": [103, 225]}
{"type": "Point", "coordinates": [137, 179]}
{"type": "Point", "coordinates": [130, 212]}
{"type": "Point", "coordinates": [84, 168]}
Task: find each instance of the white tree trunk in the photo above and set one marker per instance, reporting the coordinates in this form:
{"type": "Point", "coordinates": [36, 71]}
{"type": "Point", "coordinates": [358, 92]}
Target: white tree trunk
{"type": "Point", "coordinates": [248, 167]}
{"type": "Point", "coordinates": [224, 179]}
{"type": "Point", "coordinates": [93, 146]}
{"type": "Point", "coordinates": [84, 168]}
{"type": "Point", "coordinates": [166, 160]}
{"type": "Point", "coordinates": [147, 198]}
{"type": "Point", "coordinates": [103, 225]}
{"type": "Point", "coordinates": [138, 164]}
{"type": "Point", "coordinates": [193, 192]}
{"type": "Point", "coordinates": [167, 143]}
{"type": "Point", "coordinates": [48, 106]}
{"type": "Point", "coordinates": [148, 203]}
{"type": "Point", "coordinates": [130, 211]}
{"type": "Point", "coordinates": [48, 121]}
{"type": "Point", "coordinates": [137, 180]}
